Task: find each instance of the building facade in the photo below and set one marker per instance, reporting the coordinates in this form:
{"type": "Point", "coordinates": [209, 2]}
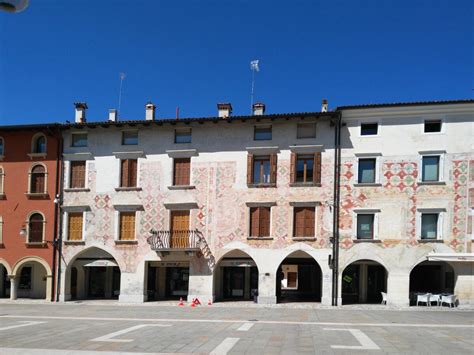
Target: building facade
{"type": "Point", "coordinates": [29, 183]}
{"type": "Point", "coordinates": [241, 208]}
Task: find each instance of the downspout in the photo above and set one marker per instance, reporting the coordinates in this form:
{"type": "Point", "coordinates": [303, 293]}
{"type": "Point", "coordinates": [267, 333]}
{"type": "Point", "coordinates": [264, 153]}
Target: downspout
{"type": "Point", "coordinates": [59, 199]}
{"type": "Point", "coordinates": [56, 192]}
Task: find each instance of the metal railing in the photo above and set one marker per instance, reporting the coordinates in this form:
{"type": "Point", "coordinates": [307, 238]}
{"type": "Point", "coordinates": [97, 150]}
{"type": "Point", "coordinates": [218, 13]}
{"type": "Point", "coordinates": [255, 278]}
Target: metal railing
{"type": "Point", "coordinates": [167, 239]}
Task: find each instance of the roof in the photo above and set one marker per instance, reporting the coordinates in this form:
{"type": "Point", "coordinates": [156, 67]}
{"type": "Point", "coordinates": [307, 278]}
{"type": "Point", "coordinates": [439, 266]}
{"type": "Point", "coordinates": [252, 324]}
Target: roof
{"type": "Point", "coordinates": [415, 103]}
{"type": "Point", "coordinates": [31, 127]}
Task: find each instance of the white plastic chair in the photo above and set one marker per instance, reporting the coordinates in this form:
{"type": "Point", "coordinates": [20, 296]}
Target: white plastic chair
{"type": "Point", "coordinates": [424, 298]}
{"type": "Point", "coordinates": [384, 297]}
{"type": "Point", "coordinates": [435, 298]}
{"type": "Point", "coordinates": [449, 299]}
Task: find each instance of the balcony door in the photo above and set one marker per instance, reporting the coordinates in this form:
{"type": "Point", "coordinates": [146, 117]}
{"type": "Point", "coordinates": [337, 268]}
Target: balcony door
{"type": "Point", "coordinates": [179, 229]}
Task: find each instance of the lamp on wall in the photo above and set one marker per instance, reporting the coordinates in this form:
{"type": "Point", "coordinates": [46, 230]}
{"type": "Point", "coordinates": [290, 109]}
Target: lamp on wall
{"type": "Point", "coordinates": [23, 231]}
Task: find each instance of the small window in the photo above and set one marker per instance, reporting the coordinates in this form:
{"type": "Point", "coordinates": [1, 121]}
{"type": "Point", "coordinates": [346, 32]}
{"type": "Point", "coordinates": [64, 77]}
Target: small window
{"type": "Point", "coordinates": [432, 126]}
{"type": "Point", "coordinates": [429, 225]}
{"type": "Point", "coordinates": [130, 138]}
{"type": "Point", "coordinates": [35, 228]}
{"type": "Point", "coordinates": [365, 226]}
{"type": "Point", "coordinates": [39, 144]}
{"type": "Point", "coordinates": [128, 173]}
{"type": "Point", "coordinates": [306, 130]}
{"type": "Point", "coordinates": [182, 135]}
{"type": "Point", "coordinates": [260, 221]}
{"type": "Point", "coordinates": [261, 170]}
{"type": "Point", "coordinates": [38, 180]}
{"type": "Point", "coordinates": [79, 140]}
{"type": "Point", "coordinates": [2, 147]}
{"type": "Point", "coordinates": [127, 226]}
{"type": "Point", "coordinates": [369, 129]}
{"type": "Point", "coordinates": [182, 171]}
{"type": "Point", "coordinates": [367, 171]}
{"type": "Point", "coordinates": [304, 168]}
{"type": "Point", "coordinates": [262, 133]}
{"type": "Point", "coordinates": [78, 175]}
{"type": "Point", "coordinates": [430, 168]}
{"type": "Point", "coordinates": [304, 222]}
{"type": "Point", "coordinates": [75, 226]}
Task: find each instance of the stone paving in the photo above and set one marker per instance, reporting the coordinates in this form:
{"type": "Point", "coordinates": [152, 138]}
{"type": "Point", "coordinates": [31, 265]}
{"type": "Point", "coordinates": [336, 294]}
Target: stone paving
{"type": "Point", "coordinates": [72, 328]}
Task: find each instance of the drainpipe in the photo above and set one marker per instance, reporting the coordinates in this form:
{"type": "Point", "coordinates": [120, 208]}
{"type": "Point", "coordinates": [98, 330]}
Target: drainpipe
{"type": "Point", "coordinates": [335, 226]}
{"type": "Point", "coordinates": [57, 135]}
{"type": "Point", "coordinates": [59, 203]}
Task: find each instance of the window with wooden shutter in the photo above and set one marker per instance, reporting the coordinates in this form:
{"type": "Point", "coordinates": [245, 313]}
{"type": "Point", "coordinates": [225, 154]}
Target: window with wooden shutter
{"type": "Point", "coordinates": [304, 219]}
{"type": "Point", "coordinates": [260, 221]}
{"type": "Point", "coordinates": [182, 171]}
{"type": "Point", "coordinates": [250, 168]}
{"type": "Point", "coordinates": [75, 226]}
{"type": "Point", "coordinates": [78, 175]}
{"type": "Point", "coordinates": [128, 173]}
{"type": "Point", "coordinates": [35, 228]}
{"type": "Point", "coordinates": [127, 226]}
{"type": "Point", "coordinates": [317, 168]}
{"type": "Point", "coordinates": [273, 168]}
{"type": "Point", "coordinates": [293, 168]}
{"type": "Point", "coordinates": [37, 179]}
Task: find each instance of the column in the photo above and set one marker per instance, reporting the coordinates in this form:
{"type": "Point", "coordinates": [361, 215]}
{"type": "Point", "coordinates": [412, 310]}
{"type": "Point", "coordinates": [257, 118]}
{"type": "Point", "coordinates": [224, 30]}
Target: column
{"type": "Point", "coordinates": [363, 280]}
{"type": "Point", "coordinates": [13, 287]}
{"type": "Point", "coordinates": [132, 287]}
{"type": "Point", "coordinates": [398, 288]}
{"type": "Point", "coordinates": [267, 287]}
{"type": "Point", "coordinates": [326, 296]}
{"type": "Point", "coordinates": [200, 280]}
{"type": "Point", "coordinates": [464, 282]}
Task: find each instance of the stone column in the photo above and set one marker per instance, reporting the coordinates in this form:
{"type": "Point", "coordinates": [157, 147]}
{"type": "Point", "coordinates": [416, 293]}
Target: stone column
{"type": "Point", "coordinates": [13, 287]}
{"type": "Point", "coordinates": [132, 286]}
{"type": "Point", "coordinates": [267, 287]}
{"type": "Point", "coordinates": [200, 280]}
{"type": "Point", "coordinates": [326, 297]}
{"type": "Point", "coordinates": [398, 288]}
{"type": "Point", "coordinates": [464, 282]}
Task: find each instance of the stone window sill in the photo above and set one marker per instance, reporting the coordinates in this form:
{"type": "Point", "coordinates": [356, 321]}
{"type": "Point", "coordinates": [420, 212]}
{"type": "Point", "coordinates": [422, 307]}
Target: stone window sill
{"type": "Point", "coordinates": [367, 241]}
{"type": "Point", "coordinates": [372, 184]}
{"type": "Point", "coordinates": [74, 242]}
{"type": "Point", "coordinates": [431, 183]}
{"type": "Point", "coordinates": [302, 239]}
{"type": "Point", "coordinates": [36, 245]}
{"type": "Point", "coordinates": [32, 196]}
{"type": "Point", "coordinates": [128, 189]}
{"type": "Point", "coordinates": [77, 189]}
{"type": "Point", "coordinates": [37, 155]}
{"type": "Point", "coordinates": [430, 241]}
{"type": "Point", "coordinates": [304, 184]}
{"type": "Point", "coordinates": [181, 187]}
{"type": "Point", "coordinates": [126, 242]}
{"type": "Point", "coordinates": [259, 238]}
{"type": "Point", "coordinates": [261, 185]}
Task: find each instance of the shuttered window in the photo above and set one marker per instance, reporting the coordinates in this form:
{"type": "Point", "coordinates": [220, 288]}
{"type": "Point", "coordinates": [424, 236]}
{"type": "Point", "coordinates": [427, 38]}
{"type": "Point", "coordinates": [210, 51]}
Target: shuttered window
{"type": "Point", "coordinates": [37, 179]}
{"type": "Point", "coordinates": [260, 221]}
{"type": "Point", "coordinates": [75, 226]}
{"type": "Point", "coordinates": [128, 173]}
{"type": "Point", "coordinates": [182, 171]}
{"type": "Point", "coordinates": [304, 222]}
{"type": "Point", "coordinates": [305, 168]}
{"type": "Point", "coordinates": [127, 226]}
{"type": "Point", "coordinates": [35, 226]}
{"type": "Point", "coordinates": [78, 175]}
{"type": "Point", "coordinates": [262, 170]}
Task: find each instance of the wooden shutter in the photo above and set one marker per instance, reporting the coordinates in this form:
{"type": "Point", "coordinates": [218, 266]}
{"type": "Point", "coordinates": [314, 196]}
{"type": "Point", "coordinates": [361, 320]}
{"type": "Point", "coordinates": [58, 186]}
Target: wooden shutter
{"type": "Point", "coordinates": [36, 229]}
{"type": "Point", "coordinates": [78, 174]}
{"type": "Point", "coordinates": [293, 168]}
{"type": "Point", "coordinates": [249, 168]}
{"type": "Point", "coordinates": [179, 229]}
{"type": "Point", "coordinates": [317, 168]}
{"type": "Point", "coordinates": [299, 222]}
{"type": "Point", "coordinates": [124, 173]}
{"type": "Point", "coordinates": [37, 178]}
{"type": "Point", "coordinates": [182, 171]}
{"type": "Point", "coordinates": [254, 221]}
{"type": "Point", "coordinates": [264, 222]}
{"type": "Point", "coordinates": [132, 172]}
{"type": "Point", "coordinates": [309, 222]}
{"type": "Point", "coordinates": [127, 225]}
{"type": "Point", "coordinates": [273, 168]}
{"type": "Point", "coordinates": [75, 226]}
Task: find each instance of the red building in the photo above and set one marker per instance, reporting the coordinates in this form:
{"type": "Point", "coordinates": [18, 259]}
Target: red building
{"type": "Point", "coordinates": [29, 184]}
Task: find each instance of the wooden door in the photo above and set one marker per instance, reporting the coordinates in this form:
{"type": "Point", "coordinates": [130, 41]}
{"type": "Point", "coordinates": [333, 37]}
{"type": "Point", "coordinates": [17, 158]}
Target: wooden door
{"type": "Point", "coordinates": [179, 229]}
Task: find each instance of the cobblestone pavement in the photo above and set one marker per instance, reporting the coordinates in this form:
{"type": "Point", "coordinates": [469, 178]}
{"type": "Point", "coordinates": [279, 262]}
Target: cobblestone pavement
{"type": "Point", "coordinates": [79, 328]}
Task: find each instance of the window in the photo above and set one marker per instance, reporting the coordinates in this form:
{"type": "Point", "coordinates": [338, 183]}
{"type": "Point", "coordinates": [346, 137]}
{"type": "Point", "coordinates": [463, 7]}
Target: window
{"type": "Point", "coordinates": [75, 226]}
{"type": "Point", "coordinates": [79, 140]}
{"type": "Point", "coordinates": [369, 129]}
{"type": "Point", "coordinates": [35, 228]}
{"type": "Point", "coordinates": [365, 226]}
{"type": "Point", "coordinates": [2, 147]}
{"type": "Point", "coordinates": [182, 135]}
{"type": "Point", "coordinates": [429, 225]}
{"type": "Point", "coordinates": [128, 173]}
{"type": "Point", "coordinates": [78, 175]}
{"type": "Point", "coordinates": [304, 222]}
{"type": "Point", "coordinates": [306, 130]}
{"type": "Point", "coordinates": [127, 226]}
{"type": "Point", "coordinates": [259, 221]}
{"type": "Point", "coordinates": [39, 143]}
{"type": "Point", "coordinates": [261, 170]}
{"type": "Point", "coordinates": [305, 168]}
{"type": "Point", "coordinates": [129, 137]}
{"type": "Point", "coordinates": [181, 171]}
{"type": "Point", "coordinates": [432, 126]}
{"type": "Point", "coordinates": [262, 133]}
{"type": "Point", "coordinates": [430, 168]}
{"type": "Point", "coordinates": [367, 172]}
{"type": "Point", "coordinates": [38, 180]}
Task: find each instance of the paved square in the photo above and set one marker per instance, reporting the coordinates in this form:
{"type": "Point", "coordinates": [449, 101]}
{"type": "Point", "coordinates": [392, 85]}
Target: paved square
{"type": "Point", "coordinates": [99, 329]}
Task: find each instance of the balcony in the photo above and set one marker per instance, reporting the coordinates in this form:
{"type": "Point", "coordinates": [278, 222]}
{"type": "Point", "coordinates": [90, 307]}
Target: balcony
{"type": "Point", "coordinates": [167, 240]}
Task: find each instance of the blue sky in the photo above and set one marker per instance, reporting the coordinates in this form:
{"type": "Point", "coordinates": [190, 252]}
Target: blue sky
{"type": "Point", "coordinates": [193, 54]}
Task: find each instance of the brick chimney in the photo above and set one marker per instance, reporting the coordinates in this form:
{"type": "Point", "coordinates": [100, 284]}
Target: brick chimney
{"type": "Point", "coordinates": [81, 108]}
{"type": "Point", "coordinates": [224, 110]}
{"type": "Point", "coordinates": [324, 105]}
{"type": "Point", "coordinates": [258, 108]}
{"type": "Point", "coordinates": [150, 111]}
{"type": "Point", "coordinates": [113, 116]}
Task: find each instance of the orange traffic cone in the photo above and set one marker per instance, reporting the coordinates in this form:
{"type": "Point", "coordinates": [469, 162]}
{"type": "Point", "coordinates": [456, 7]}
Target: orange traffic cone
{"type": "Point", "coordinates": [181, 302]}
{"type": "Point", "coordinates": [209, 303]}
{"type": "Point", "coordinates": [193, 304]}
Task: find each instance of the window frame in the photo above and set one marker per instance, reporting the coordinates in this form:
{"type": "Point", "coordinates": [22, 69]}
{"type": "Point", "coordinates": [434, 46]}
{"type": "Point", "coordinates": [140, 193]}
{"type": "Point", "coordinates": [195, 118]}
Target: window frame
{"type": "Point", "coordinates": [441, 120]}
{"type": "Point", "coordinates": [439, 227]}
{"type": "Point", "coordinates": [375, 227]}
{"type": "Point", "coordinates": [305, 158]}
{"type": "Point", "coordinates": [66, 226]}
{"type": "Point", "coordinates": [118, 222]}
{"type": "Point", "coordinates": [377, 157]}
{"type": "Point", "coordinates": [30, 176]}
{"type": "Point", "coordinates": [86, 134]}
{"type": "Point", "coordinates": [174, 170]}
{"type": "Point", "coordinates": [259, 227]}
{"type": "Point", "coordinates": [262, 127]}
{"type": "Point", "coordinates": [34, 142]}
{"type": "Point", "coordinates": [28, 234]}
{"type": "Point", "coordinates": [440, 156]}
{"type": "Point", "coordinates": [129, 131]}
{"type": "Point", "coordinates": [121, 171]}
{"type": "Point", "coordinates": [366, 122]}
{"type": "Point", "coordinates": [314, 227]}
{"type": "Point", "coordinates": [183, 130]}
{"type": "Point", "coordinates": [69, 177]}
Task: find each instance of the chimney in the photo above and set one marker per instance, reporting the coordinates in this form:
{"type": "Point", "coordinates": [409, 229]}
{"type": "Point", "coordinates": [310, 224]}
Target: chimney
{"type": "Point", "coordinates": [324, 105]}
{"type": "Point", "coordinates": [224, 110]}
{"type": "Point", "coordinates": [258, 109]}
{"type": "Point", "coordinates": [150, 111]}
{"type": "Point", "coordinates": [81, 108]}
{"type": "Point", "coordinates": [113, 115]}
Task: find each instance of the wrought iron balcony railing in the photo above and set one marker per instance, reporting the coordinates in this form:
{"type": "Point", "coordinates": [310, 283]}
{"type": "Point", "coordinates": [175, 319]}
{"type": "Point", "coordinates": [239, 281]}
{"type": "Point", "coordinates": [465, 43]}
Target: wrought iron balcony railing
{"type": "Point", "coordinates": [168, 240]}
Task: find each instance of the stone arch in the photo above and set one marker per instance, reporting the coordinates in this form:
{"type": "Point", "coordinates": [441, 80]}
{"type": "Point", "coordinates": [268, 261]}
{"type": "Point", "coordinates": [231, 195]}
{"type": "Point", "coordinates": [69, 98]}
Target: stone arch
{"type": "Point", "coordinates": [26, 259]}
{"type": "Point", "coordinates": [6, 265]}
{"type": "Point", "coordinates": [35, 260]}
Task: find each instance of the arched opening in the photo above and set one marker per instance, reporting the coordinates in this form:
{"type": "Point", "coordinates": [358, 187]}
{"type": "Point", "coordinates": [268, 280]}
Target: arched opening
{"type": "Point", "coordinates": [38, 179]}
{"type": "Point", "coordinates": [435, 277]}
{"type": "Point", "coordinates": [31, 282]}
{"type": "Point", "coordinates": [35, 228]}
{"type": "Point", "coordinates": [94, 274]}
{"type": "Point", "coordinates": [4, 282]}
{"type": "Point", "coordinates": [299, 279]}
{"type": "Point", "coordinates": [236, 277]}
{"type": "Point", "coordinates": [363, 281]}
{"type": "Point", "coordinates": [39, 143]}
{"type": "Point", "coordinates": [167, 280]}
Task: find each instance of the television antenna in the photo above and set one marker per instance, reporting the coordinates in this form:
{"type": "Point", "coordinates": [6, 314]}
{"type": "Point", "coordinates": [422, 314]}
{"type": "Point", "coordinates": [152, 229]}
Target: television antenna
{"type": "Point", "coordinates": [254, 68]}
{"type": "Point", "coordinates": [122, 77]}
